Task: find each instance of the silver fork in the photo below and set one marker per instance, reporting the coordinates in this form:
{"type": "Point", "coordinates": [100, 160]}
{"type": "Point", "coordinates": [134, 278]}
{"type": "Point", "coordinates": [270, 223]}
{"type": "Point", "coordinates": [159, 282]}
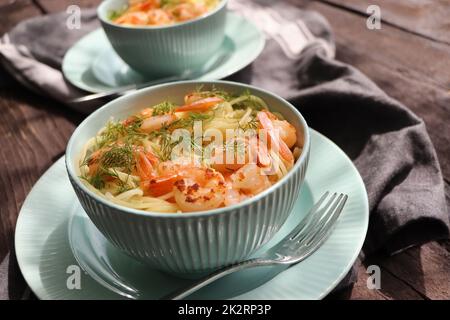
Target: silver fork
{"type": "Point", "coordinates": [303, 241]}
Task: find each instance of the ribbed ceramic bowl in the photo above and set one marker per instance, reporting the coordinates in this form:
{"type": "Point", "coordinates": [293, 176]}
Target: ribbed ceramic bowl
{"type": "Point", "coordinates": [165, 50]}
{"type": "Point", "coordinates": [188, 243]}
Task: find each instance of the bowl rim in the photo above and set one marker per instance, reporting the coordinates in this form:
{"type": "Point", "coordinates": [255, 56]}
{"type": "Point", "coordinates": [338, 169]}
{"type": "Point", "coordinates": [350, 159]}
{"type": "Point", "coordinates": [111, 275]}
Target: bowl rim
{"type": "Point", "coordinates": [101, 7]}
{"type": "Point", "coordinates": [205, 213]}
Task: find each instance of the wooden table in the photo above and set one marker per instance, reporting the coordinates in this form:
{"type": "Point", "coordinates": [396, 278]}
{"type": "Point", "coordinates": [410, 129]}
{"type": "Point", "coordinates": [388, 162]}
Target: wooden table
{"type": "Point", "coordinates": [409, 58]}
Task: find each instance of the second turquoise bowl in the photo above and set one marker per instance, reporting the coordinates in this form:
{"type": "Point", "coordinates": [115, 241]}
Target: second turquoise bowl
{"type": "Point", "coordinates": [165, 50]}
{"type": "Point", "coordinates": [189, 243]}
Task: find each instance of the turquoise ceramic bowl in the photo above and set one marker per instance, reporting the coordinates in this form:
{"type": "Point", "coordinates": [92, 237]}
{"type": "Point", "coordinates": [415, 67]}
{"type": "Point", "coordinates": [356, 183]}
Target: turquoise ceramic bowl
{"type": "Point", "coordinates": [166, 50]}
{"type": "Point", "coordinates": [188, 243]}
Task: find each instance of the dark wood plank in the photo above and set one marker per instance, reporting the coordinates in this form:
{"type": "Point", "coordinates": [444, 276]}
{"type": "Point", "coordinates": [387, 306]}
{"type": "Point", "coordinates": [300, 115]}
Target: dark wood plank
{"type": "Point", "coordinates": [425, 17]}
{"type": "Point", "coordinates": [426, 269]}
{"type": "Point", "coordinates": [33, 134]}
{"type": "Point", "coordinates": [418, 273]}
{"type": "Point", "coordinates": [447, 194]}
{"type": "Point", "coordinates": [392, 288]}
{"type": "Point", "coordinates": [13, 12]}
{"type": "Point", "coordinates": [51, 6]}
{"type": "Point", "coordinates": [409, 68]}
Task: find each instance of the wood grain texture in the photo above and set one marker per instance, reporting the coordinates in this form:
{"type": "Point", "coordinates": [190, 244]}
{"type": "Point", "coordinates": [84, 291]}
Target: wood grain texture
{"type": "Point", "coordinates": [413, 69]}
{"type": "Point", "coordinates": [428, 18]}
{"type": "Point", "coordinates": [425, 269]}
{"type": "Point", "coordinates": [409, 68]}
{"type": "Point", "coordinates": [416, 274]}
{"type": "Point", "coordinates": [13, 12]}
{"type": "Point", "coordinates": [51, 6]}
{"type": "Point", "coordinates": [33, 135]}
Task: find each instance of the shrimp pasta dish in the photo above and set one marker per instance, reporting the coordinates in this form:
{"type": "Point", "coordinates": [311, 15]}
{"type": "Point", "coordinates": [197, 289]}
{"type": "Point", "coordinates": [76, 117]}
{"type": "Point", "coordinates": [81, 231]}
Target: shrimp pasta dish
{"type": "Point", "coordinates": [215, 149]}
{"type": "Point", "coordinates": [162, 12]}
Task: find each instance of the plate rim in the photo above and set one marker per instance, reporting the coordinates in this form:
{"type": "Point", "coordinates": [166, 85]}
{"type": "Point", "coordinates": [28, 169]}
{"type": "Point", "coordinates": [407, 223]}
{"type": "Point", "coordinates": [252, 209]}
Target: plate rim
{"type": "Point", "coordinates": [259, 47]}
{"type": "Point", "coordinates": [38, 291]}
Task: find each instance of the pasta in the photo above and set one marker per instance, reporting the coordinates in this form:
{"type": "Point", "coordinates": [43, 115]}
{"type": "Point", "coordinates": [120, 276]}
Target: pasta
{"type": "Point", "coordinates": [215, 150]}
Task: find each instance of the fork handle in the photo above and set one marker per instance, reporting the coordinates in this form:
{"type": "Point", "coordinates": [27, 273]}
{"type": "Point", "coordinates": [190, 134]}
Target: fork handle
{"type": "Point", "coordinates": [184, 292]}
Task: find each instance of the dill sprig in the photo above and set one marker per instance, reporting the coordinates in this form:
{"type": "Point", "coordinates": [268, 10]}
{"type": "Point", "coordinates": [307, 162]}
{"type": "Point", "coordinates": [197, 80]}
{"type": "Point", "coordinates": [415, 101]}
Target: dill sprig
{"type": "Point", "coordinates": [164, 134]}
{"type": "Point", "coordinates": [96, 180]}
{"type": "Point", "coordinates": [163, 108]}
{"type": "Point", "coordinates": [114, 131]}
{"type": "Point", "coordinates": [189, 121]}
{"type": "Point", "coordinates": [166, 144]}
{"type": "Point", "coordinates": [123, 185]}
{"type": "Point", "coordinates": [197, 147]}
{"type": "Point", "coordinates": [113, 158]}
{"type": "Point", "coordinates": [118, 157]}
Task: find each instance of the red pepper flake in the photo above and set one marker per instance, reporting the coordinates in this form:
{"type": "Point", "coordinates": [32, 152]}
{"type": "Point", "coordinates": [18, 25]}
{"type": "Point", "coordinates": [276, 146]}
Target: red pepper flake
{"type": "Point", "coordinates": [180, 184]}
{"type": "Point", "coordinates": [191, 199]}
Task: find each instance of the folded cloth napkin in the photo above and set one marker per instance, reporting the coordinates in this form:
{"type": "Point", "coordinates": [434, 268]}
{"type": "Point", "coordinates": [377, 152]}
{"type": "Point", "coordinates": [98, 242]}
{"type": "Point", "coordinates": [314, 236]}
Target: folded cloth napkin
{"type": "Point", "coordinates": [388, 143]}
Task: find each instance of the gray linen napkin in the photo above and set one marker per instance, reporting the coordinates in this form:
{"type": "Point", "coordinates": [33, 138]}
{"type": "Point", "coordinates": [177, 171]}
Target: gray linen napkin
{"type": "Point", "coordinates": [388, 144]}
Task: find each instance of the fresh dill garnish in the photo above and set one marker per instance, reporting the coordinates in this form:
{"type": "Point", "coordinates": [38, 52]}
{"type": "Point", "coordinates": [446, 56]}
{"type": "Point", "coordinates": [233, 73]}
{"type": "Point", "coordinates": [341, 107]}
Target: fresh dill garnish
{"type": "Point", "coordinates": [164, 134]}
{"type": "Point", "coordinates": [163, 108]}
{"type": "Point", "coordinates": [113, 158]}
{"type": "Point", "coordinates": [113, 131]}
{"type": "Point", "coordinates": [166, 144]}
{"type": "Point", "coordinates": [118, 157]}
{"type": "Point", "coordinates": [96, 180]}
{"type": "Point", "coordinates": [123, 185]}
{"type": "Point", "coordinates": [197, 147]}
{"type": "Point", "coordinates": [189, 121]}
{"type": "Point", "coordinates": [110, 134]}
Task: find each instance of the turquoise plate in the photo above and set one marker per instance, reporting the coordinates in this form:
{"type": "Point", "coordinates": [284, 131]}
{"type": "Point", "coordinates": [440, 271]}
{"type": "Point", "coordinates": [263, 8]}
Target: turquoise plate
{"type": "Point", "coordinates": [55, 242]}
{"type": "Point", "coordinates": [92, 65]}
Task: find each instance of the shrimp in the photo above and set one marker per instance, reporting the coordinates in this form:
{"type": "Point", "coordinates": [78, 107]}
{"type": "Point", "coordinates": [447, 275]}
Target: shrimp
{"type": "Point", "coordinates": [133, 18]}
{"type": "Point", "coordinates": [145, 164]}
{"type": "Point", "coordinates": [157, 122]}
{"type": "Point", "coordinates": [199, 189]}
{"type": "Point", "coordinates": [162, 176]}
{"type": "Point", "coordinates": [158, 17]}
{"type": "Point", "coordinates": [159, 186]}
{"type": "Point", "coordinates": [192, 97]}
{"type": "Point", "coordinates": [249, 180]}
{"type": "Point", "coordinates": [264, 118]}
{"type": "Point", "coordinates": [233, 196]}
{"type": "Point", "coordinates": [286, 131]}
{"type": "Point", "coordinates": [180, 166]}
{"type": "Point", "coordinates": [200, 105]}
{"type": "Point", "coordinates": [243, 151]}
{"type": "Point", "coordinates": [188, 11]}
